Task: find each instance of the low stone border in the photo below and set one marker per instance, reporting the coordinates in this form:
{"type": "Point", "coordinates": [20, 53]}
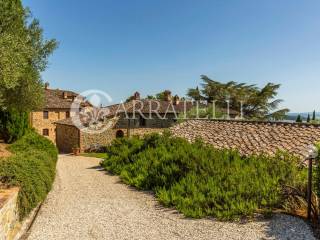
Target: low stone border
{"type": "Point", "coordinates": [25, 226]}
{"type": "Point", "coordinates": [10, 226]}
{"type": "Point", "coordinates": [9, 216]}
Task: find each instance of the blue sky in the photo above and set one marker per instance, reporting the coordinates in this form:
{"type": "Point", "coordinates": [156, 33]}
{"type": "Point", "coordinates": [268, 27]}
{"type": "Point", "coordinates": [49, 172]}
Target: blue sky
{"type": "Point", "coordinates": [121, 46]}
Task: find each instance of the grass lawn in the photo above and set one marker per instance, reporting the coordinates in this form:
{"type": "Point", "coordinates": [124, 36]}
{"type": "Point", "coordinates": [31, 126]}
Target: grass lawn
{"type": "Point", "coordinates": [96, 155]}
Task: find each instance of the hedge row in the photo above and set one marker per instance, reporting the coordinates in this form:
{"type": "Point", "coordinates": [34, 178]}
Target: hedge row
{"type": "Point", "coordinates": [32, 168]}
{"type": "Point", "coordinates": [200, 180]}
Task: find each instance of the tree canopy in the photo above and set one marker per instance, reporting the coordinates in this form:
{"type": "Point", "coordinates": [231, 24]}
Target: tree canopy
{"type": "Point", "coordinates": [256, 103]}
{"type": "Point", "coordinates": [23, 56]}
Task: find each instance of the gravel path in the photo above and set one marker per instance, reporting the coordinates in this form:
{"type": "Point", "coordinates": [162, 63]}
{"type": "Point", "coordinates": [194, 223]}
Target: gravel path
{"type": "Point", "coordinates": [87, 203]}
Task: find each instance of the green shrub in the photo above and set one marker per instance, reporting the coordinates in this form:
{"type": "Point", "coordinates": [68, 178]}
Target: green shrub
{"type": "Point", "coordinates": [200, 180]}
{"type": "Point", "coordinates": [13, 125]}
{"type": "Point", "coordinates": [32, 168]}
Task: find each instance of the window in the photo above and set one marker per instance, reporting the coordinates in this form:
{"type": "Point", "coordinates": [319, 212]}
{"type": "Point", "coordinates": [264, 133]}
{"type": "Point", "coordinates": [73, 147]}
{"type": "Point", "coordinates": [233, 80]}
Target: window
{"type": "Point", "coordinates": [45, 132]}
{"type": "Point", "coordinates": [142, 121]}
{"type": "Point", "coordinates": [45, 114]}
{"type": "Point", "coordinates": [67, 114]}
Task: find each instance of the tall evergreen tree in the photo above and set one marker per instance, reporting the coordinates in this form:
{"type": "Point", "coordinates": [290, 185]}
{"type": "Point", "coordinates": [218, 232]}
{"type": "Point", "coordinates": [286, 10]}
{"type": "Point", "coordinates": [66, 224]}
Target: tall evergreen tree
{"type": "Point", "coordinates": [314, 115]}
{"type": "Point", "coordinates": [299, 119]}
{"type": "Point", "coordinates": [308, 119]}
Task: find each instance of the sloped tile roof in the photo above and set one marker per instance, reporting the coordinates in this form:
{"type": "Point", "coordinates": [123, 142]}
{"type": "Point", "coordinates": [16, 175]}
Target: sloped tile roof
{"type": "Point", "coordinates": [146, 106]}
{"type": "Point", "coordinates": [54, 99]}
{"type": "Point", "coordinates": [162, 107]}
{"type": "Point", "coordinates": [250, 137]}
{"type": "Point", "coordinates": [83, 122]}
{"type": "Point", "coordinates": [66, 121]}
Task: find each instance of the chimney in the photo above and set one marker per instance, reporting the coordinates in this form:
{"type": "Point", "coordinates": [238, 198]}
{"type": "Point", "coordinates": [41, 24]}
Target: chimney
{"type": "Point", "coordinates": [65, 95]}
{"type": "Point", "coordinates": [136, 96]}
{"type": "Point", "coordinates": [46, 86]}
{"type": "Point", "coordinates": [176, 100]}
{"type": "Point", "coordinates": [167, 95]}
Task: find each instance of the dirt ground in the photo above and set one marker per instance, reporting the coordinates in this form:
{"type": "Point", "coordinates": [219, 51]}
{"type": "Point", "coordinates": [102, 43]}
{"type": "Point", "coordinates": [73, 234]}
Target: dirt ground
{"type": "Point", "coordinates": [3, 150]}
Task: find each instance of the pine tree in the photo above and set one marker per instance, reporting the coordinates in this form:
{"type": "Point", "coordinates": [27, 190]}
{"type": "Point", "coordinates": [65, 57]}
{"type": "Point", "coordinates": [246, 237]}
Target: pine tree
{"type": "Point", "coordinates": [299, 119]}
{"type": "Point", "coordinates": [308, 119]}
{"type": "Point", "coordinates": [258, 103]}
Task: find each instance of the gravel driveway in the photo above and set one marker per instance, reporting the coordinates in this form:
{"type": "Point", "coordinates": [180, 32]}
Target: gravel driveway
{"type": "Point", "coordinates": [87, 203]}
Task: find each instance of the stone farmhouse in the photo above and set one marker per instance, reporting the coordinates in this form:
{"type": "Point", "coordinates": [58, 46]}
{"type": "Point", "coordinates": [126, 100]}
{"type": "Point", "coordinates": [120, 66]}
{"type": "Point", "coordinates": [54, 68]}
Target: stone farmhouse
{"type": "Point", "coordinates": [135, 117]}
{"type": "Point", "coordinates": [57, 106]}
{"type": "Point", "coordinates": [55, 122]}
{"type": "Point", "coordinates": [146, 113]}
{"type": "Point", "coordinates": [150, 113]}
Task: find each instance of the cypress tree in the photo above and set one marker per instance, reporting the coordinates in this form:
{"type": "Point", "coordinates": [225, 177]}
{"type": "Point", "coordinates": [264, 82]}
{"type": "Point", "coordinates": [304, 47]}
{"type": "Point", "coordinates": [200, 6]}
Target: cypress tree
{"type": "Point", "coordinates": [314, 115]}
{"type": "Point", "coordinates": [299, 119]}
{"type": "Point", "coordinates": [308, 119]}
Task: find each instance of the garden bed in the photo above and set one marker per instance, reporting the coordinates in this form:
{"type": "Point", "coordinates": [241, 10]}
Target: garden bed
{"type": "Point", "coordinates": [199, 180]}
{"type": "Point", "coordinates": [32, 168]}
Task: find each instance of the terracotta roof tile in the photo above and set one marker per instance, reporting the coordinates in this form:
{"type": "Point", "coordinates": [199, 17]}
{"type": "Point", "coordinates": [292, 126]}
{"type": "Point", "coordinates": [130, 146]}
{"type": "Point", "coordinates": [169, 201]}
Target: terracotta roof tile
{"type": "Point", "coordinates": [145, 105]}
{"type": "Point", "coordinates": [251, 137]}
{"type": "Point", "coordinates": [54, 99]}
{"type": "Point", "coordinates": [66, 121]}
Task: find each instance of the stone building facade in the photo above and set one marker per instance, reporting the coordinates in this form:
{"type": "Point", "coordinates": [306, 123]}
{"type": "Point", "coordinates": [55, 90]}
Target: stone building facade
{"type": "Point", "coordinates": [106, 137]}
{"type": "Point", "coordinates": [70, 136]}
{"type": "Point", "coordinates": [43, 121]}
{"type": "Point", "coordinates": [67, 137]}
{"type": "Point", "coordinates": [150, 113]}
{"type": "Point", "coordinates": [57, 107]}
{"type": "Point", "coordinates": [146, 121]}
{"type": "Point", "coordinates": [136, 117]}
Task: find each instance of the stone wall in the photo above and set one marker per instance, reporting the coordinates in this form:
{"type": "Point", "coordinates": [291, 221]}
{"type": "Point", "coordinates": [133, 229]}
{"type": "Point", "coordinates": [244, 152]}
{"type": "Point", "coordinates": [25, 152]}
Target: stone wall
{"type": "Point", "coordinates": [39, 123]}
{"type": "Point", "coordinates": [9, 217]}
{"type": "Point", "coordinates": [88, 140]}
{"type": "Point", "coordinates": [144, 131]}
{"type": "Point", "coordinates": [67, 137]}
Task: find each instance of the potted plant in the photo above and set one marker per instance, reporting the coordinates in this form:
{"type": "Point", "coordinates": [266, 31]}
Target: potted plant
{"type": "Point", "coordinates": [76, 150]}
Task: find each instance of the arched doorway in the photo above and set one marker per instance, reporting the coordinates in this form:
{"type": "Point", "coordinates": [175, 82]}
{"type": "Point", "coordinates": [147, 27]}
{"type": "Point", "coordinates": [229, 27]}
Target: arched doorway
{"type": "Point", "coordinates": [119, 134]}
